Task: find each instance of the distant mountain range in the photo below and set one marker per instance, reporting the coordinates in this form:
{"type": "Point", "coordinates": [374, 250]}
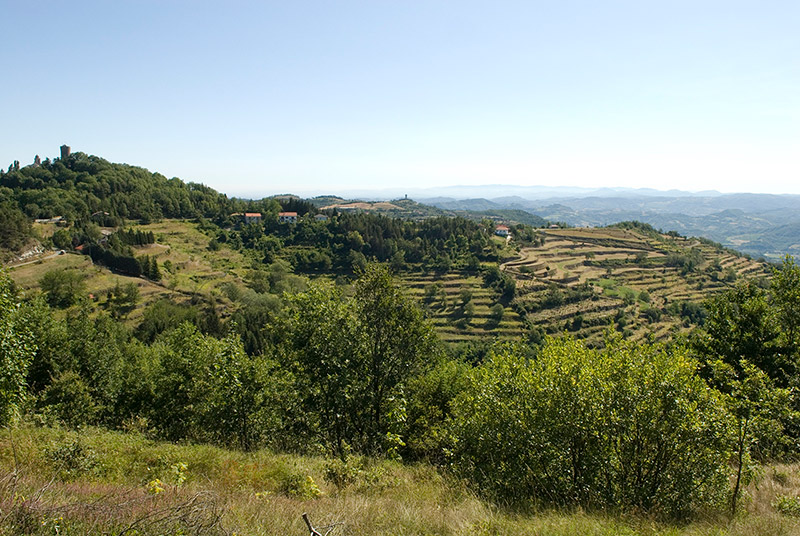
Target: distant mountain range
{"type": "Point", "coordinates": [490, 192]}
{"type": "Point", "coordinates": [762, 225]}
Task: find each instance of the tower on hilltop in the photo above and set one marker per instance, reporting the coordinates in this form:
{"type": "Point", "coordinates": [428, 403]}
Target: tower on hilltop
{"type": "Point", "coordinates": [65, 151]}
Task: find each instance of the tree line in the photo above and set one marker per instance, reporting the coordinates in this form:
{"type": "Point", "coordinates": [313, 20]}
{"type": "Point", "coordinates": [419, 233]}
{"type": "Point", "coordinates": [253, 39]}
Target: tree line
{"type": "Point", "coordinates": [348, 241]}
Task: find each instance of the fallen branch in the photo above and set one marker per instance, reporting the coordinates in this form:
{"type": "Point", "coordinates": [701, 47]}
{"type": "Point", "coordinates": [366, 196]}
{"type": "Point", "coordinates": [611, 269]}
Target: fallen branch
{"type": "Point", "coordinates": [315, 532]}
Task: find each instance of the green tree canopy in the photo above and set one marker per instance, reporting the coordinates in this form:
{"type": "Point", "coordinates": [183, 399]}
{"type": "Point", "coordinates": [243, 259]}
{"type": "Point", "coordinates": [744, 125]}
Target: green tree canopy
{"type": "Point", "coordinates": [355, 357]}
{"type": "Point", "coordinates": [16, 352]}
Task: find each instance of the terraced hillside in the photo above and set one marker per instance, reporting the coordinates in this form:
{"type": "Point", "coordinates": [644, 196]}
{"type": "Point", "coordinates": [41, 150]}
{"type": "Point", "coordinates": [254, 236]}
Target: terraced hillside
{"type": "Point", "coordinates": [462, 308]}
{"type": "Point", "coordinates": [646, 284]}
{"type": "Point", "coordinates": [578, 280]}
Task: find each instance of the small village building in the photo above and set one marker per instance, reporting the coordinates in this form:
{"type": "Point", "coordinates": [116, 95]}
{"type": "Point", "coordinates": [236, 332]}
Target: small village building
{"type": "Point", "coordinates": [502, 230]}
{"type": "Point", "coordinates": [320, 217]}
{"type": "Point", "coordinates": [287, 217]}
{"type": "Point", "coordinates": [247, 217]}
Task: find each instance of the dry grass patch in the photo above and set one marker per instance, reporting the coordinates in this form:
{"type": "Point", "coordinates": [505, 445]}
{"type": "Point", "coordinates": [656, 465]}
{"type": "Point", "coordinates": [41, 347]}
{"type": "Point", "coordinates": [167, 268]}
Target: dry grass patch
{"type": "Point", "coordinates": [262, 493]}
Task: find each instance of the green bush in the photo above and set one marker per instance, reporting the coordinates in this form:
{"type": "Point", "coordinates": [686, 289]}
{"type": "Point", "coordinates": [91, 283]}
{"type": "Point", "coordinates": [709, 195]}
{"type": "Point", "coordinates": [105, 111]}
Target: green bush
{"type": "Point", "coordinates": [300, 486]}
{"type": "Point", "coordinates": [72, 459]}
{"type": "Point", "coordinates": [68, 399]}
{"type": "Point", "coordinates": [788, 506]}
{"type": "Point", "coordinates": [631, 426]}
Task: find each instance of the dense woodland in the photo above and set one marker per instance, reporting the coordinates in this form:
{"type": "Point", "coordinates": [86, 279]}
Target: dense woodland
{"type": "Point", "coordinates": [355, 368]}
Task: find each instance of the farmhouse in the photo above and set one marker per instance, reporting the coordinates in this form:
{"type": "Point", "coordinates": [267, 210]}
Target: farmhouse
{"type": "Point", "coordinates": [248, 217]}
{"type": "Point", "coordinates": [287, 217]}
{"type": "Point", "coordinates": [502, 230]}
{"type": "Point", "coordinates": [320, 217]}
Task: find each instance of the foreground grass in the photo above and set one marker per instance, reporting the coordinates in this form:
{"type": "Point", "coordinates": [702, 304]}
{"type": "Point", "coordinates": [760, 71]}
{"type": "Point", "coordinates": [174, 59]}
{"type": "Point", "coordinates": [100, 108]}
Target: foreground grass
{"type": "Point", "coordinates": [55, 481]}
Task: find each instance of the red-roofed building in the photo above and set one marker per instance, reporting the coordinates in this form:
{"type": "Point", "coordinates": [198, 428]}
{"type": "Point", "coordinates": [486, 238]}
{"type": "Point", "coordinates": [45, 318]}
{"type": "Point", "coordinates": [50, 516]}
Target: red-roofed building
{"type": "Point", "coordinates": [287, 217]}
{"type": "Point", "coordinates": [252, 217]}
{"type": "Point", "coordinates": [502, 230]}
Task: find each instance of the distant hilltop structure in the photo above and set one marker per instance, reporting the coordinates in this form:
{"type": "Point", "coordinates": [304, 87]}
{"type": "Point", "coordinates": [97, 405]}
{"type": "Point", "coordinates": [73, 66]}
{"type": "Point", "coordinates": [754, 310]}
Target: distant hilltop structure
{"type": "Point", "coordinates": [66, 150]}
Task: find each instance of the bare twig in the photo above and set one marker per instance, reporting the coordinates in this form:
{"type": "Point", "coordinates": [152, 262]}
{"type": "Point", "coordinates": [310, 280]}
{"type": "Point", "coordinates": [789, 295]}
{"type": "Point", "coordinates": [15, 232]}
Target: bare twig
{"type": "Point", "coordinates": [315, 532]}
{"type": "Point", "coordinates": [310, 526]}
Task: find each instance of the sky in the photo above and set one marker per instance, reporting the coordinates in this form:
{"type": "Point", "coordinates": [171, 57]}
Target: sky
{"type": "Point", "coordinates": [257, 98]}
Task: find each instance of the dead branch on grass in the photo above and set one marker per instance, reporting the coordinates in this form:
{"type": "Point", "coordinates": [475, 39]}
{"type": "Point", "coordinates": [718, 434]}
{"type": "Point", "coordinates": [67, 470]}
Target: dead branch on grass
{"type": "Point", "coordinates": [315, 532]}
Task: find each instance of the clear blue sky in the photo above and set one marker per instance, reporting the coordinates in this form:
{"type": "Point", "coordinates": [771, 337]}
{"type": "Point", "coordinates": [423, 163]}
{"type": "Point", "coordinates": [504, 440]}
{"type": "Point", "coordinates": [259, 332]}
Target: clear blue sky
{"type": "Point", "coordinates": [315, 97]}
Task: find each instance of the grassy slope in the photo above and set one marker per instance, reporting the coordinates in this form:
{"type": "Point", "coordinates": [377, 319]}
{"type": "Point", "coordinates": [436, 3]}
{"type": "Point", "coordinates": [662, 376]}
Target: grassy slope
{"type": "Point", "coordinates": [103, 486]}
{"type": "Point", "coordinates": [195, 269]}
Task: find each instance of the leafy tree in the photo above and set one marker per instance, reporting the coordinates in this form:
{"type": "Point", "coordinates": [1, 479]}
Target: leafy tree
{"type": "Point", "coordinates": [630, 426]}
{"type": "Point", "coordinates": [62, 288]}
{"type": "Point", "coordinates": [181, 383]}
{"type": "Point", "coordinates": [162, 316]}
{"type": "Point", "coordinates": [15, 225]}
{"type": "Point", "coordinates": [68, 398]}
{"type": "Point", "coordinates": [52, 338]}
{"type": "Point", "coordinates": [254, 320]}
{"type": "Point", "coordinates": [123, 298]}
{"type": "Point", "coordinates": [759, 410]}
{"type": "Point", "coordinates": [98, 349]}
{"type": "Point", "coordinates": [785, 293]}
{"type": "Point", "coordinates": [17, 348]}
{"type": "Point", "coordinates": [496, 313]}
{"type": "Point", "coordinates": [324, 339]}
{"type": "Point", "coordinates": [742, 326]}
{"type": "Point", "coordinates": [354, 358]}
{"type": "Point", "coordinates": [397, 343]}
{"type": "Point", "coordinates": [430, 400]}
{"type": "Point", "coordinates": [749, 350]}
{"type": "Point", "coordinates": [245, 392]}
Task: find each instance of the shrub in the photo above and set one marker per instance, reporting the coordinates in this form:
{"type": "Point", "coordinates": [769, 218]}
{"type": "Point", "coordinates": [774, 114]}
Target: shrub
{"type": "Point", "coordinates": [630, 426]}
{"type": "Point", "coordinates": [788, 506]}
{"type": "Point", "coordinates": [71, 459]}
{"type": "Point", "coordinates": [68, 398]}
{"type": "Point", "coordinates": [302, 487]}
{"type": "Point", "coordinates": [62, 288]}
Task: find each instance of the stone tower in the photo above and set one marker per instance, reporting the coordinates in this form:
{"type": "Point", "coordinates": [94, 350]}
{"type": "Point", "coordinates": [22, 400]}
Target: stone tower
{"type": "Point", "coordinates": [65, 151]}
